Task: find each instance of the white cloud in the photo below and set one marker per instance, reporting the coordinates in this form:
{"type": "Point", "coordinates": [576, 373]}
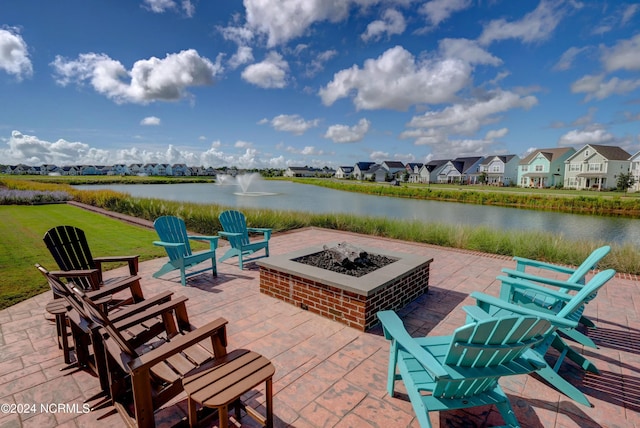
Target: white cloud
{"type": "Point", "coordinates": [243, 55]}
{"type": "Point", "coordinates": [596, 87]}
{"type": "Point", "coordinates": [242, 144]}
{"type": "Point", "coordinates": [282, 21]}
{"type": "Point", "coordinates": [495, 134]}
{"type": "Point", "coordinates": [305, 151]}
{"type": "Point", "coordinates": [437, 11]}
{"type": "Point", "coordinates": [14, 54]}
{"type": "Point", "coordinates": [379, 156]}
{"type": "Point", "coordinates": [628, 12]}
{"type": "Point", "coordinates": [469, 117]}
{"type": "Point", "coordinates": [348, 134]}
{"type": "Point", "coordinates": [149, 80]}
{"type": "Point", "coordinates": [34, 151]}
{"type": "Point", "coordinates": [150, 121]}
{"type": "Point", "coordinates": [396, 81]}
{"type": "Point", "coordinates": [625, 55]}
{"type": "Point", "coordinates": [317, 64]}
{"type": "Point", "coordinates": [392, 22]}
{"type": "Point", "coordinates": [566, 60]}
{"type": "Point", "coordinates": [270, 73]}
{"type": "Point", "coordinates": [293, 123]}
{"type": "Point", "coordinates": [161, 6]}
{"type": "Point", "coordinates": [537, 25]}
{"type": "Point", "coordinates": [581, 137]}
{"type": "Point", "coordinates": [468, 51]}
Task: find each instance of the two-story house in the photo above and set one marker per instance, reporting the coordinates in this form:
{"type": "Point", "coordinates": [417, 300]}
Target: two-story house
{"type": "Point", "coordinates": [344, 172]}
{"type": "Point", "coordinates": [634, 169]}
{"type": "Point", "coordinates": [544, 167]}
{"type": "Point", "coordinates": [395, 169]}
{"type": "Point", "coordinates": [458, 170]}
{"type": "Point", "coordinates": [499, 170]}
{"type": "Point", "coordinates": [360, 169]}
{"type": "Point", "coordinates": [596, 166]}
{"type": "Point", "coordinates": [429, 171]}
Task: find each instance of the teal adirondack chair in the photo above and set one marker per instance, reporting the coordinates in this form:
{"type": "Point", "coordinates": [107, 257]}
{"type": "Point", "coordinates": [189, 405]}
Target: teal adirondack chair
{"type": "Point", "coordinates": [236, 232]}
{"type": "Point", "coordinates": [175, 240]}
{"type": "Point", "coordinates": [462, 370]}
{"type": "Point", "coordinates": [576, 278]}
{"type": "Point", "coordinates": [495, 307]}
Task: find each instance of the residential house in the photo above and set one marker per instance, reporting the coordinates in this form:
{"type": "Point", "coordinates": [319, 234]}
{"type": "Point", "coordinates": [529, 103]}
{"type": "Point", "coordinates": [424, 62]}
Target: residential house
{"type": "Point", "coordinates": [596, 166]}
{"type": "Point", "coordinates": [544, 167]}
{"type": "Point", "coordinates": [136, 169]}
{"type": "Point", "coordinates": [361, 168]}
{"type": "Point", "coordinates": [413, 169]}
{"type": "Point", "coordinates": [89, 170]}
{"type": "Point", "coordinates": [180, 170]}
{"type": "Point", "coordinates": [499, 170]}
{"type": "Point", "coordinates": [395, 169]}
{"type": "Point", "coordinates": [344, 172]}
{"type": "Point", "coordinates": [459, 169]}
{"type": "Point", "coordinates": [120, 169]}
{"type": "Point", "coordinates": [301, 171]}
{"type": "Point", "coordinates": [69, 170]}
{"type": "Point", "coordinates": [429, 171]}
{"type": "Point", "coordinates": [376, 173]}
{"type": "Point", "coordinates": [634, 169]}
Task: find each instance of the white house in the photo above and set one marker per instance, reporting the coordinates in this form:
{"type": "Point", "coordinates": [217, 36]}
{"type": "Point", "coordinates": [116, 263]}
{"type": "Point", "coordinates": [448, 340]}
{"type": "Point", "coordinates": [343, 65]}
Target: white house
{"type": "Point", "coordinates": [635, 171]}
{"type": "Point", "coordinates": [499, 170]}
{"type": "Point", "coordinates": [360, 169]}
{"type": "Point", "coordinates": [344, 172]}
{"type": "Point", "coordinates": [458, 170]}
{"type": "Point", "coordinates": [596, 167]}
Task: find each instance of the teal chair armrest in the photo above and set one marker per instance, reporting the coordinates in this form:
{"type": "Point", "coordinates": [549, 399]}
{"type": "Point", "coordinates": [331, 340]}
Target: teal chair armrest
{"type": "Point", "coordinates": [548, 281]}
{"type": "Point", "coordinates": [510, 285]}
{"type": "Point", "coordinates": [265, 231]}
{"type": "Point", "coordinates": [394, 330]}
{"type": "Point", "coordinates": [487, 302]}
{"type": "Point", "coordinates": [168, 244]}
{"type": "Point", "coordinates": [213, 240]}
{"type": "Point", "coordinates": [228, 234]}
{"type": "Point", "coordinates": [521, 264]}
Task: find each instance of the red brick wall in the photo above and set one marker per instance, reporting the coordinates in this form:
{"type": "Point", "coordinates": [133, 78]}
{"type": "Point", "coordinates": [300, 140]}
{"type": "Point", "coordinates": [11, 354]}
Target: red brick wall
{"type": "Point", "coordinates": [349, 308]}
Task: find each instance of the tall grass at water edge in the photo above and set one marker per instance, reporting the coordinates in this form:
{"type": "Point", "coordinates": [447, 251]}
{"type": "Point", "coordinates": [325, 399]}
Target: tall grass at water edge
{"type": "Point", "coordinates": [203, 218]}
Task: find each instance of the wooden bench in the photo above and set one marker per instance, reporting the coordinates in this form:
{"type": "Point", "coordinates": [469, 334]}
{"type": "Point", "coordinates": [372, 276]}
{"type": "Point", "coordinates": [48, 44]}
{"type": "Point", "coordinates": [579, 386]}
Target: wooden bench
{"type": "Point", "coordinates": [237, 373]}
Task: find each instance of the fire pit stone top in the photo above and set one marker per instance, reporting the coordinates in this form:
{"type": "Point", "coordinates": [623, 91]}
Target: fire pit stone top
{"type": "Point", "coordinates": [365, 285]}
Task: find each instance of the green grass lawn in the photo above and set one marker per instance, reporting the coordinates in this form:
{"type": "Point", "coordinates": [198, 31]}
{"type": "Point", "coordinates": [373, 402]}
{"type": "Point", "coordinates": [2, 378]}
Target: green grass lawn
{"type": "Point", "coordinates": [21, 246]}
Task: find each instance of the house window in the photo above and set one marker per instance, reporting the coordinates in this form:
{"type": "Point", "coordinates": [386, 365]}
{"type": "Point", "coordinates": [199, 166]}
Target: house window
{"type": "Point", "coordinates": [539, 168]}
{"type": "Point", "coordinates": [525, 168]}
{"type": "Point", "coordinates": [574, 167]}
{"type": "Point", "coordinates": [595, 167]}
{"type": "Point", "coordinates": [586, 153]}
{"type": "Point", "coordinates": [495, 168]}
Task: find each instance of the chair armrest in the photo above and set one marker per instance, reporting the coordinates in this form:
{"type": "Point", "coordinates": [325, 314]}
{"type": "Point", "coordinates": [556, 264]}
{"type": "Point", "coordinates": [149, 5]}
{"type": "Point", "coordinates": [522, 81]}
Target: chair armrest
{"type": "Point", "coordinates": [548, 281]}
{"type": "Point", "coordinates": [263, 230]}
{"type": "Point", "coordinates": [163, 297]}
{"type": "Point", "coordinates": [213, 240]}
{"type": "Point", "coordinates": [228, 234]}
{"type": "Point", "coordinates": [135, 318]}
{"type": "Point", "coordinates": [131, 283]}
{"type": "Point", "coordinates": [178, 344]}
{"type": "Point", "coordinates": [168, 244]}
{"type": "Point", "coordinates": [485, 302]}
{"type": "Point", "coordinates": [131, 260]}
{"type": "Point", "coordinates": [93, 275]}
{"type": "Point", "coordinates": [521, 264]}
{"type": "Point", "coordinates": [509, 285]}
{"type": "Point", "coordinates": [394, 330]}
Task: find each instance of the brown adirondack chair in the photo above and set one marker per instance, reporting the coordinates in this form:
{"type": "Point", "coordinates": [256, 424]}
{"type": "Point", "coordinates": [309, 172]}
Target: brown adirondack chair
{"type": "Point", "coordinates": [154, 373]}
{"type": "Point", "coordinates": [69, 248]}
{"type": "Point", "coordinates": [85, 332]}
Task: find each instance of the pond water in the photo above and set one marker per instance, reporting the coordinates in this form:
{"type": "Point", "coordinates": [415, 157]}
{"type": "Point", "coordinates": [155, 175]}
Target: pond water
{"type": "Point", "coordinates": [285, 195]}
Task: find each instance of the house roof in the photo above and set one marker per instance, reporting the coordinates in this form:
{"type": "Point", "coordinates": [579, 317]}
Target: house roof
{"type": "Point", "coordinates": [611, 152]}
{"type": "Point", "coordinates": [550, 154]}
{"type": "Point", "coordinates": [393, 164]}
{"type": "Point", "coordinates": [463, 164]}
{"type": "Point", "coordinates": [364, 166]}
{"type": "Point", "coordinates": [346, 168]}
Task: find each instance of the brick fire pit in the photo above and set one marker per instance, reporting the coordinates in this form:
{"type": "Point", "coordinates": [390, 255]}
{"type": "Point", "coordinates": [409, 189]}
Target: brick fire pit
{"type": "Point", "coordinates": [344, 298]}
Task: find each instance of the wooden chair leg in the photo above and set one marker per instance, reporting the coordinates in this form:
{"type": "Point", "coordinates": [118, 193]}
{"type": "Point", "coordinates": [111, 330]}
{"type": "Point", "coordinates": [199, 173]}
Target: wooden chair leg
{"type": "Point", "coordinates": [269, 403]}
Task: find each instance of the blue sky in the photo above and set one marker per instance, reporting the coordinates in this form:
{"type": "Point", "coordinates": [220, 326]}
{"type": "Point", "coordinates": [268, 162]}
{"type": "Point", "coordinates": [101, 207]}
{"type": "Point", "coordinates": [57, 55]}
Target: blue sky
{"type": "Point", "coordinates": [273, 83]}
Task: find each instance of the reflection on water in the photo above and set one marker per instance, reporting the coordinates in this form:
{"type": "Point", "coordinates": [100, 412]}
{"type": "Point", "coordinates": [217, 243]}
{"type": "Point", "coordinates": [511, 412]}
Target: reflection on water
{"type": "Point", "coordinates": [302, 197]}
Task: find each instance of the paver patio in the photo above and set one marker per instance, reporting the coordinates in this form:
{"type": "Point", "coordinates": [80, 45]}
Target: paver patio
{"type": "Point", "coordinates": [327, 374]}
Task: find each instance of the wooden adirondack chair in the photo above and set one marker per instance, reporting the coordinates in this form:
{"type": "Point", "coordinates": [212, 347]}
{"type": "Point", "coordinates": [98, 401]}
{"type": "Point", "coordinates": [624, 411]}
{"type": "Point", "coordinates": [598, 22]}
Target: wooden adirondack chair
{"type": "Point", "coordinates": [146, 377]}
{"type": "Point", "coordinates": [236, 232]}
{"type": "Point", "coordinates": [575, 278]}
{"type": "Point", "coordinates": [495, 307]}
{"type": "Point", "coordinates": [175, 240]}
{"type": "Point", "coordinates": [69, 248]}
{"type": "Point", "coordinates": [85, 331]}
{"type": "Point", "coordinates": [462, 370]}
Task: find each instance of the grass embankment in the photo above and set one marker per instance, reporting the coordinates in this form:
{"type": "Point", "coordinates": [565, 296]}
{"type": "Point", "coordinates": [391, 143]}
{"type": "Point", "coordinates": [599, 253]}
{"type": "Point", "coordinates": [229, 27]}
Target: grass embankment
{"type": "Point", "coordinates": [576, 202]}
{"type": "Point", "coordinates": [27, 233]}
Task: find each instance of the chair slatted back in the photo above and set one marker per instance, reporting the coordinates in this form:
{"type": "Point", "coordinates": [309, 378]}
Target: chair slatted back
{"type": "Point", "coordinates": [487, 350]}
{"type": "Point", "coordinates": [585, 295]}
{"type": "Point", "coordinates": [69, 248]}
{"type": "Point", "coordinates": [63, 290]}
{"type": "Point", "coordinates": [235, 222]}
{"type": "Point", "coordinates": [589, 264]}
{"type": "Point", "coordinates": [173, 229]}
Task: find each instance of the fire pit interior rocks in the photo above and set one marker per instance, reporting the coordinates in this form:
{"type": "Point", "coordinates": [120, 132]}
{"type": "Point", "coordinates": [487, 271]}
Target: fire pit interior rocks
{"type": "Point", "coordinates": [345, 283]}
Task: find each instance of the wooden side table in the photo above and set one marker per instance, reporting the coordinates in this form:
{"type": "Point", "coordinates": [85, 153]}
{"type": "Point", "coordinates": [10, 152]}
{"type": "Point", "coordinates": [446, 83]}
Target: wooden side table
{"type": "Point", "coordinates": [219, 386]}
{"type": "Point", "coordinates": [59, 308]}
